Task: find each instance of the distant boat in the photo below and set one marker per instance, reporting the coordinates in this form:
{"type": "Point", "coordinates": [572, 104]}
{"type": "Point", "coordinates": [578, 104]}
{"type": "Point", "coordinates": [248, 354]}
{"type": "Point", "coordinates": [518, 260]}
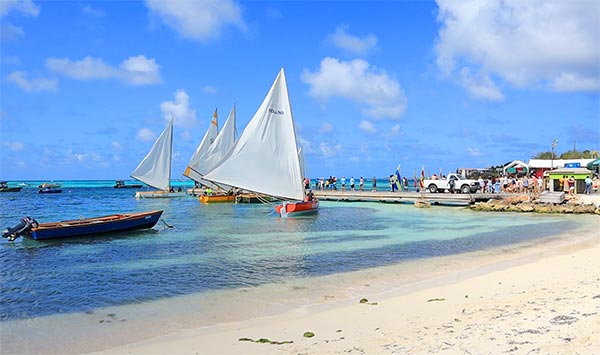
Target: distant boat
{"type": "Point", "coordinates": [49, 188]}
{"type": "Point", "coordinates": [29, 227]}
{"type": "Point", "coordinates": [155, 168]}
{"type": "Point", "coordinates": [4, 187]}
{"type": "Point", "coordinates": [265, 159]}
{"type": "Point", "coordinates": [120, 184]}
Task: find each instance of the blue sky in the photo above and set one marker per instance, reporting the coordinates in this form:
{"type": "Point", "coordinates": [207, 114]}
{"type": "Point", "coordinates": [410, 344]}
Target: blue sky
{"type": "Point", "coordinates": [85, 87]}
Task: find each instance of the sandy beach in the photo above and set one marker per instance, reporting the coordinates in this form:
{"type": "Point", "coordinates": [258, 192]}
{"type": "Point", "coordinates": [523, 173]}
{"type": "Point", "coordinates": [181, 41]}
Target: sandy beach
{"type": "Point", "coordinates": [542, 299]}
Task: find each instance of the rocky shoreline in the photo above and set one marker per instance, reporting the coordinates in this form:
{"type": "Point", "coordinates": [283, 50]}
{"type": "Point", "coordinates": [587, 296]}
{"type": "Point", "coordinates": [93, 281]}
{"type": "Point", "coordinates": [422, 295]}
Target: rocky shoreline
{"type": "Point", "coordinates": [531, 203]}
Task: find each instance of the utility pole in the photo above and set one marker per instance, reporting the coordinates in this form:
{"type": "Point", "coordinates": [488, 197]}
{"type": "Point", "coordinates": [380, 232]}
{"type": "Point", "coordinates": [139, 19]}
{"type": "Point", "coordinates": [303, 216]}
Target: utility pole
{"type": "Point", "coordinates": [554, 143]}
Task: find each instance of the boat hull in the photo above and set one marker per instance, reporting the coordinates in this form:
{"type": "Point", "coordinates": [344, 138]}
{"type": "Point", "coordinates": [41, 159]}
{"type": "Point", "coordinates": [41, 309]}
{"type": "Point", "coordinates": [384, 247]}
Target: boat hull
{"type": "Point", "coordinates": [298, 208]}
{"type": "Point", "coordinates": [96, 225]}
{"type": "Point", "coordinates": [11, 189]}
{"type": "Point", "coordinates": [158, 194]}
{"type": "Point", "coordinates": [50, 191]}
{"type": "Point", "coordinates": [253, 198]}
{"type": "Point", "coordinates": [217, 198]}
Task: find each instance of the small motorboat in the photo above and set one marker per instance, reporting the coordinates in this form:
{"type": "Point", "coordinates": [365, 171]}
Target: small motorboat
{"type": "Point", "coordinates": [4, 187]}
{"type": "Point", "coordinates": [120, 184]}
{"type": "Point", "coordinates": [29, 227]}
{"type": "Point", "coordinates": [47, 188]}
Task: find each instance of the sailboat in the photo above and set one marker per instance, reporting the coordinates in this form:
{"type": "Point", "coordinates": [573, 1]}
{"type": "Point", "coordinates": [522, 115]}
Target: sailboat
{"type": "Point", "coordinates": [193, 167]}
{"type": "Point", "coordinates": [155, 168]}
{"type": "Point", "coordinates": [216, 152]}
{"type": "Point", "coordinates": [265, 159]}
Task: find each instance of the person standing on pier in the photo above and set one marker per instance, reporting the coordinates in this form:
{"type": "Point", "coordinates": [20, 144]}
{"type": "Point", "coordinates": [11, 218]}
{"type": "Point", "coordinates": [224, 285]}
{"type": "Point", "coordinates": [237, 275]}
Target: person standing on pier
{"type": "Point", "coordinates": [374, 183]}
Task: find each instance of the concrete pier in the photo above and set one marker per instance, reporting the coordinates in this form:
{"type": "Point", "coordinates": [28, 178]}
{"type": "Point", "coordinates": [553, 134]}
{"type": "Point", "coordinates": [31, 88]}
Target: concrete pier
{"type": "Point", "coordinates": [405, 197]}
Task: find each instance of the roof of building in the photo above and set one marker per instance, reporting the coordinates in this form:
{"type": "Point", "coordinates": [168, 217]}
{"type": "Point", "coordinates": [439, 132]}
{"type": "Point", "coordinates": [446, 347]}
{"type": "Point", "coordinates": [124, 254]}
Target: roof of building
{"type": "Point", "coordinates": [556, 163]}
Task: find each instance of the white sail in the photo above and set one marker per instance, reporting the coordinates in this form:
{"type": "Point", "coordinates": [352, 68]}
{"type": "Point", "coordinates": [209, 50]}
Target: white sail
{"type": "Point", "coordinates": [303, 168]}
{"type": "Point", "coordinates": [155, 168]}
{"type": "Point", "coordinates": [194, 169]}
{"type": "Point", "coordinates": [265, 157]}
{"type": "Point", "coordinates": [219, 149]}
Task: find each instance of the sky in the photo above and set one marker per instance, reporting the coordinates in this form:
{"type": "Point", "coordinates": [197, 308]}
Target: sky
{"type": "Point", "coordinates": [86, 87]}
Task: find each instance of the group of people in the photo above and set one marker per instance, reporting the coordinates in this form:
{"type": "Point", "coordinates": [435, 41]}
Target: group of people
{"type": "Point", "coordinates": [332, 183]}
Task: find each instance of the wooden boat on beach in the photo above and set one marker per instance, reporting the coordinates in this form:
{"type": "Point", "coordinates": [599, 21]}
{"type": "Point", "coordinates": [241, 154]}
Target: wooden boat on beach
{"type": "Point", "coordinates": [29, 227]}
{"type": "Point", "coordinates": [5, 188]}
{"type": "Point", "coordinates": [266, 159]}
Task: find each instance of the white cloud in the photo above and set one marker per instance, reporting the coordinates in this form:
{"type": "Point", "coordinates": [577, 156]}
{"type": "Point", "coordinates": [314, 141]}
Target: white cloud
{"type": "Point", "coordinates": [11, 59]}
{"type": "Point", "coordinates": [14, 146]}
{"type": "Point", "coordinates": [24, 7]}
{"type": "Point", "coordinates": [20, 79]}
{"type": "Point", "coordinates": [179, 109]}
{"type": "Point", "coordinates": [201, 19]}
{"type": "Point", "coordinates": [10, 32]}
{"type": "Point", "coordinates": [538, 43]}
{"type": "Point", "coordinates": [273, 13]}
{"type": "Point", "coordinates": [329, 151]}
{"type": "Point", "coordinates": [140, 70]}
{"type": "Point", "coordinates": [395, 130]}
{"type": "Point", "coordinates": [145, 135]}
{"type": "Point", "coordinates": [474, 152]}
{"type": "Point", "coordinates": [357, 45]}
{"type": "Point", "coordinates": [367, 127]}
{"type": "Point", "coordinates": [209, 89]}
{"type": "Point", "coordinates": [116, 145]}
{"type": "Point", "coordinates": [90, 11]}
{"type": "Point", "coordinates": [380, 95]}
{"type": "Point", "coordinates": [86, 69]}
{"type": "Point", "coordinates": [326, 127]}
{"type": "Point", "coordinates": [480, 87]}
{"type": "Point", "coordinates": [137, 70]}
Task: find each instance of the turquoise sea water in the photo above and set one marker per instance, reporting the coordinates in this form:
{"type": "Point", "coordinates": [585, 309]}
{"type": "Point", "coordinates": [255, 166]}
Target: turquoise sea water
{"type": "Point", "coordinates": [224, 247]}
{"type": "Point", "coordinates": [219, 246]}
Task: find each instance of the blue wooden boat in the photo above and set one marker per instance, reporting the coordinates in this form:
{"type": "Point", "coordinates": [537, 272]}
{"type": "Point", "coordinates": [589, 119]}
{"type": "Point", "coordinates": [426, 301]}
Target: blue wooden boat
{"type": "Point", "coordinates": [83, 227]}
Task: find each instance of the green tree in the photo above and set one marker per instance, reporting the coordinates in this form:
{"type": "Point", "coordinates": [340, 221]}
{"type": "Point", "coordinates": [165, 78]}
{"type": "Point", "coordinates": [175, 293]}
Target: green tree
{"type": "Point", "coordinates": [576, 154]}
{"type": "Point", "coordinates": [545, 155]}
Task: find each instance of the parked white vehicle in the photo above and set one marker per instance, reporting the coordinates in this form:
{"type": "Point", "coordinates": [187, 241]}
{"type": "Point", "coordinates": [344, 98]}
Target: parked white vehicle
{"type": "Point", "coordinates": [461, 184]}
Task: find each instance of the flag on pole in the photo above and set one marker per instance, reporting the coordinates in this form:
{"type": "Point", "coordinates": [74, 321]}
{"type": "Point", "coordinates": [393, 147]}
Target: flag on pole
{"type": "Point", "coordinates": [422, 181]}
{"type": "Point", "coordinates": [398, 180]}
{"type": "Point", "coordinates": [415, 178]}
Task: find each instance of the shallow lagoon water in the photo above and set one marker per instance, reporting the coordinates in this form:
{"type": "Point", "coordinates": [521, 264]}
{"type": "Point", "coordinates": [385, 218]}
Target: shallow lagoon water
{"type": "Point", "coordinates": [225, 246]}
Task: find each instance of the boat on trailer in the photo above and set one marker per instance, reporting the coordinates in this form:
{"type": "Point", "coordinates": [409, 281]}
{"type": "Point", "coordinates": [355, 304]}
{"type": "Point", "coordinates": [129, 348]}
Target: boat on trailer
{"type": "Point", "coordinates": [29, 227]}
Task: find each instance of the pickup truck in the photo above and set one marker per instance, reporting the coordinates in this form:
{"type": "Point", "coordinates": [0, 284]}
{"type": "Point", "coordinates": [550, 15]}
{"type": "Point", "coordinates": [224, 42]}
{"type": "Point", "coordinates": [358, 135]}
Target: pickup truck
{"type": "Point", "coordinates": [460, 184]}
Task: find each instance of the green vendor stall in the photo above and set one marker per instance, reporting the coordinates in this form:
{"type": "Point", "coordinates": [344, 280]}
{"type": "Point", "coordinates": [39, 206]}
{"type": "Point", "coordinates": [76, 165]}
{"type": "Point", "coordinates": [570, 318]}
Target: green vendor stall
{"type": "Point", "coordinates": [579, 174]}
